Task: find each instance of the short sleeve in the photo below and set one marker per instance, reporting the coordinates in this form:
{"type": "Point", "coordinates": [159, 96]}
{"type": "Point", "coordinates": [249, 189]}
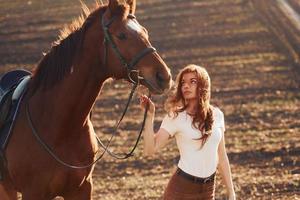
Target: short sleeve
{"type": "Point", "coordinates": [219, 119]}
{"type": "Point", "coordinates": [169, 125]}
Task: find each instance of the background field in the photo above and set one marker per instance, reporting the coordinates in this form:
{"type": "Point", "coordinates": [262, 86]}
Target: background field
{"type": "Point", "coordinates": [251, 50]}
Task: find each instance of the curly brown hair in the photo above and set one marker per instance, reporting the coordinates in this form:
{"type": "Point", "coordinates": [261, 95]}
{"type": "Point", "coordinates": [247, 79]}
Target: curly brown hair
{"type": "Point", "coordinates": [203, 118]}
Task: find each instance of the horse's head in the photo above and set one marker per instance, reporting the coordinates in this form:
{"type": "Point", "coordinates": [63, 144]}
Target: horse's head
{"type": "Point", "coordinates": [127, 48]}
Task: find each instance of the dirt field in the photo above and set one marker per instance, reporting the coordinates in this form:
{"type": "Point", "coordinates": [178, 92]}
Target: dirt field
{"type": "Point", "coordinates": [251, 49]}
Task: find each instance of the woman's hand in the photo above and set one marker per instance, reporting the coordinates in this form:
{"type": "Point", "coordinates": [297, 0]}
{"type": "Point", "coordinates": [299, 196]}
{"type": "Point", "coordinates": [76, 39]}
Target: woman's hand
{"type": "Point", "coordinates": [144, 101]}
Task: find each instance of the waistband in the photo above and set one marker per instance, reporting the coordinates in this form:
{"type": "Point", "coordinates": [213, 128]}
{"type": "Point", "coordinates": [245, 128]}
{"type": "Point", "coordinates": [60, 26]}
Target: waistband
{"type": "Point", "coordinates": [195, 179]}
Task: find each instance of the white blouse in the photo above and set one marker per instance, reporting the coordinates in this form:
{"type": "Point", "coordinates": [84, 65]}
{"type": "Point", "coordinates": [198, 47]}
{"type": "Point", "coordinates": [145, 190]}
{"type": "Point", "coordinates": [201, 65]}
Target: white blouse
{"type": "Point", "coordinates": [194, 160]}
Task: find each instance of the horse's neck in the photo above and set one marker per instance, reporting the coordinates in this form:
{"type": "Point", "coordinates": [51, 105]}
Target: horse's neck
{"type": "Point", "coordinates": [78, 94]}
{"type": "Point", "coordinates": [67, 105]}
{"type": "Point", "coordinates": [69, 102]}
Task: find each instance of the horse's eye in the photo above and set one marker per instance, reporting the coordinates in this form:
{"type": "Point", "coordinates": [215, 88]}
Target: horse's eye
{"type": "Point", "coordinates": [122, 36]}
{"type": "Point", "coordinates": [131, 16]}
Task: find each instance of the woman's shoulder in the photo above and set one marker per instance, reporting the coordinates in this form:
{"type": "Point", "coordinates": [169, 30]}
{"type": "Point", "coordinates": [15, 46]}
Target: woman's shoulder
{"type": "Point", "coordinates": [217, 113]}
{"type": "Point", "coordinates": [218, 118]}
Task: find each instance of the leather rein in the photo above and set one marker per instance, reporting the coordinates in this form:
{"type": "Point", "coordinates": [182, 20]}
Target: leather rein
{"type": "Point", "coordinates": [133, 79]}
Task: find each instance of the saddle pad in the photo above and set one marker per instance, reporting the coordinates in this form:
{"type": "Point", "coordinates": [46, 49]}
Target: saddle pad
{"type": "Point", "coordinates": [17, 95]}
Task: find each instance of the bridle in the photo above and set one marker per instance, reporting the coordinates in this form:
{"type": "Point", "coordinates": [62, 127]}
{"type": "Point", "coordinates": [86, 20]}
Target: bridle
{"type": "Point", "coordinates": [130, 72]}
{"type": "Point", "coordinates": [128, 66]}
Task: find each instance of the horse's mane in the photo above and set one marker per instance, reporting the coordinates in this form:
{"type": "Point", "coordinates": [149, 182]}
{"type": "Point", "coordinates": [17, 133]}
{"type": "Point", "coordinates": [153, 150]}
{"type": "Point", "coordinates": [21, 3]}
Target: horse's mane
{"type": "Point", "coordinates": [58, 62]}
{"type": "Point", "coordinates": [78, 22]}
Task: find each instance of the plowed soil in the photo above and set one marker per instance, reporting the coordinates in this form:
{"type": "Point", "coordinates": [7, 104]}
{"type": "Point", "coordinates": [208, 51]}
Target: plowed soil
{"type": "Point", "coordinates": [251, 50]}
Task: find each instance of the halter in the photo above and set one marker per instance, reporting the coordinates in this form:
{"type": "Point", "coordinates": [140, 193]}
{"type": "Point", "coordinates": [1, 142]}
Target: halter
{"type": "Point", "coordinates": [130, 72]}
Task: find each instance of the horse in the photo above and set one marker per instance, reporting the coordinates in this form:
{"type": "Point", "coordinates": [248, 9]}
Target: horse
{"type": "Point", "coordinates": [107, 43]}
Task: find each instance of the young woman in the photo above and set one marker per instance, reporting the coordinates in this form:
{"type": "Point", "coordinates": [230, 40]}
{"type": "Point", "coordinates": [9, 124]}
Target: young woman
{"type": "Point", "coordinates": [199, 131]}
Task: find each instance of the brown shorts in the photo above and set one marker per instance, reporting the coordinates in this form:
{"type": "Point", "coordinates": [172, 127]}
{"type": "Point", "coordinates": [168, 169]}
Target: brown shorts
{"type": "Point", "coordinates": [182, 188]}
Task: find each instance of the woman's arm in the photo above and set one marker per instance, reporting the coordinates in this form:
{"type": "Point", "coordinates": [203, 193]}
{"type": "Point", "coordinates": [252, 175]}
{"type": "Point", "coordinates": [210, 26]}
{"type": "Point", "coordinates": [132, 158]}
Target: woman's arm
{"type": "Point", "coordinates": [152, 142]}
{"type": "Point", "coordinates": [224, 169]}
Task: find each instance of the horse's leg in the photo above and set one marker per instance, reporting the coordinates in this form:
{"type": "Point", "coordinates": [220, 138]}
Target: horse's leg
{"type": "Point", "coordinates": [7, 192]}
{"type": "Point", "coordinates": [83, 193]}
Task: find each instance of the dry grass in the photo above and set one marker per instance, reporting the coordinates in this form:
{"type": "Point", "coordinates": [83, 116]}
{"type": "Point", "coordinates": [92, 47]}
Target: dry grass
{"type": "Point", "coordinates": [247, 48]}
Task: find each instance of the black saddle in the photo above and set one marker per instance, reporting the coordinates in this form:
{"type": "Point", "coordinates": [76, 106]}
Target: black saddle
{"type": "Point", "coordinates": [13, 84]}
{"type": "Point", "coordinates": [10, 79]}
{"type": "Point", "coordinates": [8, 83]}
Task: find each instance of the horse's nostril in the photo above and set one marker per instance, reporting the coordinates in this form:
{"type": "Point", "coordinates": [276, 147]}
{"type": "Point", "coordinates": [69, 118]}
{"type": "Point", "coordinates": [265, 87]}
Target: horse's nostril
{"type": "Point", "coordinates": [159, 77]}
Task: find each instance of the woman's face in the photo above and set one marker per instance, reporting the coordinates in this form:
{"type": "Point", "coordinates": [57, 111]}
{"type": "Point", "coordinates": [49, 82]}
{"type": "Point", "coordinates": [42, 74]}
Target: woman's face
{"type": "Point", "coordinates": [189, 85]}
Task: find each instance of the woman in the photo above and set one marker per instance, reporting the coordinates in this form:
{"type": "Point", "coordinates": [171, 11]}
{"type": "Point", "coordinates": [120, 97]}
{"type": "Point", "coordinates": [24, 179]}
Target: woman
{"type": "Point", "coordinates": [199, 131]}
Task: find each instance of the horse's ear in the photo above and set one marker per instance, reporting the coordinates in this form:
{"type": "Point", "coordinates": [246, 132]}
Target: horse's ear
{"type": "Point", "coordinates": [132, 5]}
{"type": "Point", "coordinates": [114, 7]}
{"type": "Point", "coordinates": [120, 7]}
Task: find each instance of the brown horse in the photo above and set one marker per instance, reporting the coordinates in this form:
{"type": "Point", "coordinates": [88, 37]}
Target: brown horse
{"type": "Point", "coordinates": [61, 94]}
